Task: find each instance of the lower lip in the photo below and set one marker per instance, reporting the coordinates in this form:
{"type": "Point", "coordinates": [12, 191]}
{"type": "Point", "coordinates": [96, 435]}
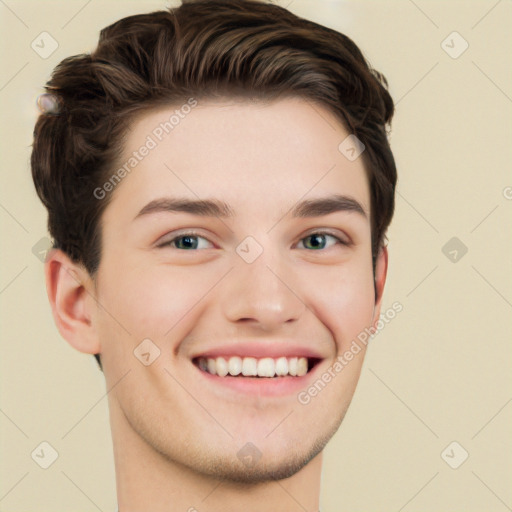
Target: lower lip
{"type": "Point", "coordinates": [262, 386]}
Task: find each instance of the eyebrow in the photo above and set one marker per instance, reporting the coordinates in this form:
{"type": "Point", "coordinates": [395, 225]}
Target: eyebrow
{"type": "Point", "coordinates": [215, 208]}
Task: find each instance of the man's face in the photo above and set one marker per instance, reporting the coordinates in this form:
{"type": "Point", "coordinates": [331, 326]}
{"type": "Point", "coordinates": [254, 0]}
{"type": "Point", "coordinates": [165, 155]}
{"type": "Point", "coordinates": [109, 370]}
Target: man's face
{"type": "Point", "coordinates": [260, 283]}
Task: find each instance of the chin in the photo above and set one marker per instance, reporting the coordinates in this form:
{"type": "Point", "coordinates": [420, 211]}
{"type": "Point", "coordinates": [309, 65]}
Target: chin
{"type": "Point", "coordinates": [251, 466]}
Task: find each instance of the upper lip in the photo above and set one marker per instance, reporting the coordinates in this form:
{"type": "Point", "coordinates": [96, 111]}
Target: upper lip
{"type": "Point", "coordinates": [259, 349]}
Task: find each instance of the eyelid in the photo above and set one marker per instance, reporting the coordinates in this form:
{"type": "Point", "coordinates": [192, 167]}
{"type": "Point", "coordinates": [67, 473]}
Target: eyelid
{"type": "Point", "coordinates": [168, 238]}
{"type": "Point", "coordinates": [342, 237]}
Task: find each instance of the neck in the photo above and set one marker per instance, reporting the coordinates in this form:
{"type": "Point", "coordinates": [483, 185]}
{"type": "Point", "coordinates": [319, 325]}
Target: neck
{"type": "Point", "coordinates": [146, 480]}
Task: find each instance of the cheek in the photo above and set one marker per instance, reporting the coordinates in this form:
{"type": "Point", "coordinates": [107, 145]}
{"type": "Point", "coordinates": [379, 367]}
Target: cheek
{"type": "Point", "coordinates": [343, 300]}
{"type": "Point", "coordinates": [149, 302]}
{"type": "Point", "coordinates": [159, 304]}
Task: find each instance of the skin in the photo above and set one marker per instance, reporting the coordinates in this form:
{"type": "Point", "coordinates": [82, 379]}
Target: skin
{"type": "Point", "coordinates": [175, 436]}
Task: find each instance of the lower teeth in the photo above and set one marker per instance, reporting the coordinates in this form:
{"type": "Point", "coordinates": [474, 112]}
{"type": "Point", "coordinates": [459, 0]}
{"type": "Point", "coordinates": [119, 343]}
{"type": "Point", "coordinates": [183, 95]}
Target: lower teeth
{"type": "Point", "coordinates": [251, 376]}
{"type": "Point", "coordinates": [257, 376]}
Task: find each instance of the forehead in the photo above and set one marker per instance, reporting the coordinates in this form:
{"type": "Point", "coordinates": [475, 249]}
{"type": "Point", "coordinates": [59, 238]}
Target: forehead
{"type": "Point", "coordinates": [254, 155]}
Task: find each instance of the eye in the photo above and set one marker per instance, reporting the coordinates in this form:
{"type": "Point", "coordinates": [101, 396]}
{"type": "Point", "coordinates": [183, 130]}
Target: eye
{"type": "Point", "coordinates": [318, 240]}
{"type": "Point", "coordinates": [187, 241]}
{"type": "Point", "coordinates": [192, 241]}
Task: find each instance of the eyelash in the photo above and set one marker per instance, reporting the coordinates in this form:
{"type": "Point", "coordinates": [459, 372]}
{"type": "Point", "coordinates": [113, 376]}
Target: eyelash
{"type": "Point", "coordinates": [195, 234]}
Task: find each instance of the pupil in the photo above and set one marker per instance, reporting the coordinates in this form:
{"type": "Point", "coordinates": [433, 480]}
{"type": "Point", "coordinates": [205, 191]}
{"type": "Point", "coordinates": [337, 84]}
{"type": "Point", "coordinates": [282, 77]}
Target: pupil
{"type": "Point", "coordinates": [189, 242]}
{"type": "Point", "coordinates": [317, 240]}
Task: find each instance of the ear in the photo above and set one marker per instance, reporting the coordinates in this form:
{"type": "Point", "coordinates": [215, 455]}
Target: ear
{"type": "Point", "coordinates": [70, 292]}
{"type": "Point", "coordinates": [381, 270]}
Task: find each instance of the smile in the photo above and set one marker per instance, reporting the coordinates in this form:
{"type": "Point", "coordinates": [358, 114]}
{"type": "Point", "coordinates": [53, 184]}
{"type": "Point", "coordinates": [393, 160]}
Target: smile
{"type": "Point", "coordinates": [269, 367]}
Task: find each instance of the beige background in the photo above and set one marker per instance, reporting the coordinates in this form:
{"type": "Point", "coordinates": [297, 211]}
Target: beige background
{"type": "Point", "coordinates": [439, 372]}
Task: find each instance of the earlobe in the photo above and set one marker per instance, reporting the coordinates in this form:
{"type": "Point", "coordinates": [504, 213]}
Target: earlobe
{"type": "Point", "coordinates": [381, 269]}
{"type": "Point", "coordinates": [69, 291]}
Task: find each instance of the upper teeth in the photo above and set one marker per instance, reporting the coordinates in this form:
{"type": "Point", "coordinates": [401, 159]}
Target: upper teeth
{"type": "Point", "coordinates": [252, 367]}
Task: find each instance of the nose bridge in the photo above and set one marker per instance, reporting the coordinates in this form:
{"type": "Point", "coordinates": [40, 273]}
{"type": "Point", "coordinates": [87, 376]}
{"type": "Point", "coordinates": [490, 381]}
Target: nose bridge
{"type": "Point", "coordinates": [262, 291]}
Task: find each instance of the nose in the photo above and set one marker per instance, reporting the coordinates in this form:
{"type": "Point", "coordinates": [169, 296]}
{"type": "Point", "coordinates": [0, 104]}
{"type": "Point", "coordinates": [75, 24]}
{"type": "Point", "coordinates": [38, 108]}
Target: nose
{"type": "Point", "coordinates": [262, 294]}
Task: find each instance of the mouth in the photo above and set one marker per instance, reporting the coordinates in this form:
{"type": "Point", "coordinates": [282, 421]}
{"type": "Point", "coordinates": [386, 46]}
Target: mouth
{"type": "Point", "coordinates": [253, 376]}
{"type": "Point", "coordinates": [253, 367]}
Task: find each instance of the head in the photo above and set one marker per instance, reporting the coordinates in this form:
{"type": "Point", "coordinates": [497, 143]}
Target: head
{"type": "Point", "coordinates": [248, 106]}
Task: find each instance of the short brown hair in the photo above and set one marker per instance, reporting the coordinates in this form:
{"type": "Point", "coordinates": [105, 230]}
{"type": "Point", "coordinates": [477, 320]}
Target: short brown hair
{"type": "Point", "coordinates": [203, 48]}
